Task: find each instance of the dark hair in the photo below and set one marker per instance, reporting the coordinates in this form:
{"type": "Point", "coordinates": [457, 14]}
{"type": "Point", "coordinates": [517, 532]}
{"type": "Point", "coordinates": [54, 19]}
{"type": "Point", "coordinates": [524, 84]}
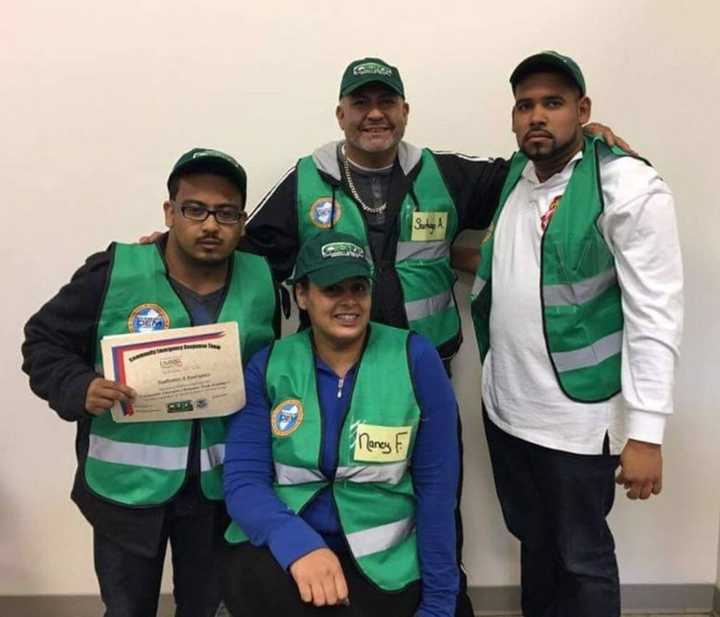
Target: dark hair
{"type": "Point", "coordinates": [173, 183]}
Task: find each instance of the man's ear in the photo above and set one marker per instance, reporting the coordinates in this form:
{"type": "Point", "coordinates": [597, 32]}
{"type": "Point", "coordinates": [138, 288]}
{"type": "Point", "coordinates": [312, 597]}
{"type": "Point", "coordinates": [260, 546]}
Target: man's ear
{"type": "Point", "coordinates": [169, 213]}
{"type": "Point", "coordinates": [584, 109]}
{"type": "Point", "coordinates": [340, 115]}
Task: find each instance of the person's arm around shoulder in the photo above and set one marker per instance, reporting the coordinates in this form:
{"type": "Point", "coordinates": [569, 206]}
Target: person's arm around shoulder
{"type": "Point", "coordinates": [272, 227]}
{"type": "Point", "coordinates": [474, 184]}
{"type": "Point", "coordinates": [639, 225]}
{"type": "Point", "coordinates": [58, 347]}
{"type": "Point", "coordinates": [254, 506]}
{"type": "Point", "coordinates": [435, 470]}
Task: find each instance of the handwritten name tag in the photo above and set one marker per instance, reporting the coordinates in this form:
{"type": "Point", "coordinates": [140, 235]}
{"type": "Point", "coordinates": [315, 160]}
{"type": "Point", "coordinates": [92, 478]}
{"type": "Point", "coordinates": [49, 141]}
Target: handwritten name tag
{"type": "Point", "coordinates": [429, 226]}
{"type": "Point", "coordinates": [383, 444]}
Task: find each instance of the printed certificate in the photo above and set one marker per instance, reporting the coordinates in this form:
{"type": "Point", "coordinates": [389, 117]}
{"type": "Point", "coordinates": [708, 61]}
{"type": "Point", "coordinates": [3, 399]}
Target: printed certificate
{"type": "Point", "coordinates": [178, 374]}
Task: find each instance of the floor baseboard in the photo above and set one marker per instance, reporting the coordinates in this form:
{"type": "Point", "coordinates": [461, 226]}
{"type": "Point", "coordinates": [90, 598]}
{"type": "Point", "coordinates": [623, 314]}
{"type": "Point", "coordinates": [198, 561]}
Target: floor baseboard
{"type": "Point", "coordinates": [486, 600]}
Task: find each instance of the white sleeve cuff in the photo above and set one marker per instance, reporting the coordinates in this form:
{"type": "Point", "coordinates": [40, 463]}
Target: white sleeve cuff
{"type": "Point", "coordinates": [645, 425]}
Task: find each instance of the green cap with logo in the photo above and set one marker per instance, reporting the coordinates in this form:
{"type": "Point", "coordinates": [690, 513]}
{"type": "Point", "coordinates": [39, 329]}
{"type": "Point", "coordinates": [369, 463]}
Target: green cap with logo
{"type": "Point", "coordinates": [368, 71]}
{"type": "Point", "coordinates": [199, 160]}
{"type": "Point", "coordinates": [548, 61]}
{"type": "Point", "coordinates": [330, 257]}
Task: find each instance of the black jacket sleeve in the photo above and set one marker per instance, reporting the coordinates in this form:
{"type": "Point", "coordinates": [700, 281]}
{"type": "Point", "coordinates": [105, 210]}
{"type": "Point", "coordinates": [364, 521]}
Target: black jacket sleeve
{"type": "Point", "coordinates": [272, 230]}
{"type": "Point", "coordinates": [59, 340]}
{"type": "Point", "coordinates": [475, 185]}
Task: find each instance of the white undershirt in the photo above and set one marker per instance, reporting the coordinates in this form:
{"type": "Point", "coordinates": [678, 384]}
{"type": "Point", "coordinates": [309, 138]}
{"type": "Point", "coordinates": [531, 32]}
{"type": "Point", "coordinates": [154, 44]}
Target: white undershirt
{"type": "Point", "coordinates": [520, 389]}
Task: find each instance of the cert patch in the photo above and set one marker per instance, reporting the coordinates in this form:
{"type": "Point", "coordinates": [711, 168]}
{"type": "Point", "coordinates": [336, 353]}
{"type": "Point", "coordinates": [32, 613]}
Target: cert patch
{"type": "Point", "coordinates": [321, 213]}
{"type": "Point", "coordinates": [382, 444]}
{"type": "Point", "coordinates": [286, 417]}
{"type": "Point", "coordinates": [148, 318]}
{"type": "Point", "coordinates": [429, 226]}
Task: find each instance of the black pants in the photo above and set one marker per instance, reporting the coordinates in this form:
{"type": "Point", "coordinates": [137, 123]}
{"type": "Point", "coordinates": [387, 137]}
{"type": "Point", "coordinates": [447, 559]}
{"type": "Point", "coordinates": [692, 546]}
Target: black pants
{"type": "Point", "coordinates": [255, 585]}
{"type": "Point", "coordinates": [463, 605]}
{"type": "Point", "coordinates": [130, 583]}
{"type": "Point", "coordinates": [556, 503]}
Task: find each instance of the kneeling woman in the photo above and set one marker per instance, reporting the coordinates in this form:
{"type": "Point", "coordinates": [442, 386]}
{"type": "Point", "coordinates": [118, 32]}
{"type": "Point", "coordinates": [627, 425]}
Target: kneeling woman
{"type": "Point", "coordinates": [341, 471]}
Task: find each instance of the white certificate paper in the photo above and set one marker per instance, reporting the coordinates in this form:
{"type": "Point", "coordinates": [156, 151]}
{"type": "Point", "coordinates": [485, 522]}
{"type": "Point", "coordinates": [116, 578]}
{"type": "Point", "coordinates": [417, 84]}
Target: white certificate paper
{"type": "Point", "coordinates": [178, 374]}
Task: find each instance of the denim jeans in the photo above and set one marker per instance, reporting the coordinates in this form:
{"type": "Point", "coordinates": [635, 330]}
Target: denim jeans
{"type": "Point", "coordinates": [556, 503]}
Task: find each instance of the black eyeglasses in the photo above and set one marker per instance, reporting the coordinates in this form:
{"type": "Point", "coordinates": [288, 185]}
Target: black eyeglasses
{"type": "Point", "coordinates": [224, 216]}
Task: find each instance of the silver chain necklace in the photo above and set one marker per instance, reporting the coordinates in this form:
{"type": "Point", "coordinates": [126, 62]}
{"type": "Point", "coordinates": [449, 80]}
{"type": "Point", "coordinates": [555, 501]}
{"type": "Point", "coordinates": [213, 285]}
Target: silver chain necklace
{"type": "Point", "coordinates": [377, 210]}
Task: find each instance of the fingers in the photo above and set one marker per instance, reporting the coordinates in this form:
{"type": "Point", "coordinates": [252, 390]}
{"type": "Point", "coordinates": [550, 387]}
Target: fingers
{"type": "Point", "coordinates": [102, 394]}
{"type": "Point", "coordinates": [341, 588]}
{"type": "Point", "coordinates": [619, 141]}
{"type": "Point", "coordinates": [305, 591]}
{"type": "Point", "coordinates": [320, 579]}
{"type": "Point", "coordinates": [657, 487]}
{"type": "Point", "coordinates": [328, 590]}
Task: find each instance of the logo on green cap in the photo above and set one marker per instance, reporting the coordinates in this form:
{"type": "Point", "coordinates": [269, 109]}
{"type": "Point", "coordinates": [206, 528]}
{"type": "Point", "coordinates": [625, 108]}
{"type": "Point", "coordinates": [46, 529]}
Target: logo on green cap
{"type": "Point", "coordinates": [372, 68]}
{"type": "Point", "coordinates": [342, 249]}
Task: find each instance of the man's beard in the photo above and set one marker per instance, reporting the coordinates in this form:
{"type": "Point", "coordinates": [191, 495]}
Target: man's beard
{"type": "Point", "coordinates": [555, 151]}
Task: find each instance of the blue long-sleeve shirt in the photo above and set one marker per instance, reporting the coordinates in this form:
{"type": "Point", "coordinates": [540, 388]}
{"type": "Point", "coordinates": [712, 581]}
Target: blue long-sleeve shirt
{"type": "Point", "coordinates": [267, 521]}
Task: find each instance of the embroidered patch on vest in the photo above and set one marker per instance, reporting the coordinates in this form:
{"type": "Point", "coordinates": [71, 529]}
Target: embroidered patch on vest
{"type": "Point", "coordinates": [321, 213]}
{"type": "Point", "coordinates": [286, 417]}
{"type": "Point", "coordinates": [429, 226]}
{"type": "Point", "coordinates": [148, 318]}
{"type": "Point", "coordinates": [382, 444]}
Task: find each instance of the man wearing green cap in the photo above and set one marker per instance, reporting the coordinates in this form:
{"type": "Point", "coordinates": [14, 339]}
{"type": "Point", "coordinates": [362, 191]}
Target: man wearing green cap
{"type": "Point", "coordinates": [578, 313]}
{"type": "Point", "coordinates": [130, 484]}
{"type": "Point", "coordinates": [342, 469]}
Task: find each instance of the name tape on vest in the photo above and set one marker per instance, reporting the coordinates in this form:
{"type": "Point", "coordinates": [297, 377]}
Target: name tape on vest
{"type": "Point", "coordinates": [382, 444]}
{"type": "Point", "coordinates": [429, 226]}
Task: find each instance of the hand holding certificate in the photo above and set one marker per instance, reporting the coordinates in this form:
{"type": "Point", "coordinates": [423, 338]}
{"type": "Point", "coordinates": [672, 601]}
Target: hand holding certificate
{"type": "Point", "coordinates": [177, 374]}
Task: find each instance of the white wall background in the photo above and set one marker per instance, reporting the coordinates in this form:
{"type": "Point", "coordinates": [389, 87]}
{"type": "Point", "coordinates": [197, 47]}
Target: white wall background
{"type": "Point", "coordinates": [98, 99]}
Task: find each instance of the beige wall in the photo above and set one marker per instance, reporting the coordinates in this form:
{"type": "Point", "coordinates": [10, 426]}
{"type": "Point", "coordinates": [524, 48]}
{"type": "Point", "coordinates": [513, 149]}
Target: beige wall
{"type": "Point", "coordinates": [98, 99]}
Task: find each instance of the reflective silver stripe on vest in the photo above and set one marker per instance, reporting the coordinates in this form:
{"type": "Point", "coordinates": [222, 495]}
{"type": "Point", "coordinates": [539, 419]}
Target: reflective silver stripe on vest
{"type": "Point", "coordinates": [212, 457]}
{"type": "Point", "coordinates": [287, 475]}
{"type": "Point", "coordinates": [422, 250]}
{"type": "Point", "coordinates": [417, 309]}
{"type": "Point", "coordinates": [478, 286]}
{"type": "Point", "coordinates": [579, 293]}
{"type": "Point", "coordinates": [391, 474]}
{"type": "Point", "coordinates": [591, 355]}
{"type": "Point", "coordinates": [168, 458]}
{"type": "Point", "coordinates": [380, 538]}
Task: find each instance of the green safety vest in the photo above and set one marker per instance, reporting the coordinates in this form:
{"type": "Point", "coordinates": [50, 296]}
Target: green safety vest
{"type": "Point", "coordinates": [422, 264]}
{"type": "Point", "coordinates": [372, 488]}
{"type": "Point", "coordinates": [580, 295]}
{"type": "Point", "coordinates": [145, 464]}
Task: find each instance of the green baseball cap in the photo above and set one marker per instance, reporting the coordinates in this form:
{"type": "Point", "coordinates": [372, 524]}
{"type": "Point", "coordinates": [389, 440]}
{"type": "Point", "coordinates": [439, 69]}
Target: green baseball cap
{"type": "Point", "coordinates": [330, 257]}
{"type": "Point", "coordinates": [548, 60]}
{"type": "Point", "coordinates": [200, 160]}
{"type": "Point", "coordinates": [368, 71]}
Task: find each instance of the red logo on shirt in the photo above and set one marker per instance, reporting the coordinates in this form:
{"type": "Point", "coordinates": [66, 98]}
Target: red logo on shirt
{"type": "Point", "coordinates": [547, 217]}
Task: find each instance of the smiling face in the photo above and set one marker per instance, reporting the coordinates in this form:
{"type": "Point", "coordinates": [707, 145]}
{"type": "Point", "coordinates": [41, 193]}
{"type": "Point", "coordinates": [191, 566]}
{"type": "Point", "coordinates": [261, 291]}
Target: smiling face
{"type": "Point", "coordinates": [373, 119]}
{"type": "Point", "coordinates": [547, 117]}
{"type": "Point", "coordinates": [339, 314]}
{"type": "Point", "coordinates": [207, 242]}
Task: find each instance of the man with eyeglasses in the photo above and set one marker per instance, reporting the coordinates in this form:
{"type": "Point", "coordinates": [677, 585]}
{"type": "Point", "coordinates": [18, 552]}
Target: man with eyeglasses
{"type": "Point", "coordinates": [192, 275]}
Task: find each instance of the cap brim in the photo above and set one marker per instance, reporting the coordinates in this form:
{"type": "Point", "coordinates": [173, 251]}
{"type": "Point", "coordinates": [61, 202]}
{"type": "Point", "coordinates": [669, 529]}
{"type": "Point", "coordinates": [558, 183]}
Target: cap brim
{"type": "Point", "coordinates": [371, 79]}
{"type": "Point", "coordinates": [335, 273]}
